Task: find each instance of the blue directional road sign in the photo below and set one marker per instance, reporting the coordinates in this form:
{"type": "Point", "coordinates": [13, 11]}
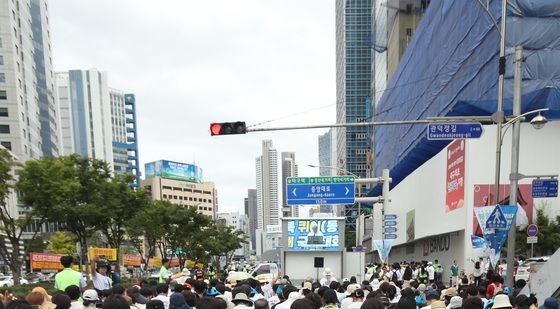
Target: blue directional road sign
{"type": "Point", "coordinates": [390, 230]}
{"type": "Point", "coordinates": [390, 236]}
{"type": "Point", "coordinates": [497, 219]}
{"type": "Point", "coordinates": [389, 223]}
{"type": "Point", "coordinates": [390, 217]}
{"type": "Point", "coordinates": [320, 190]}
{"type": "Point", "coordinates": [545, 188]}
{"type": "Point", "coordinates": [450, 131]}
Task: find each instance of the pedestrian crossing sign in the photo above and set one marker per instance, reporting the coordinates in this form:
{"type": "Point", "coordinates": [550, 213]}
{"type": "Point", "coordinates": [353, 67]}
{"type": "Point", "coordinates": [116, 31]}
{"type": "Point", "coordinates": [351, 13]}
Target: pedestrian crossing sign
{"type": "Point", "coordinates": [497, 220]}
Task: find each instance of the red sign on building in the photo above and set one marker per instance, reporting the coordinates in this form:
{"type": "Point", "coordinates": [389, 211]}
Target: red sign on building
{"type": "Point", "coordinates": [455, 184]}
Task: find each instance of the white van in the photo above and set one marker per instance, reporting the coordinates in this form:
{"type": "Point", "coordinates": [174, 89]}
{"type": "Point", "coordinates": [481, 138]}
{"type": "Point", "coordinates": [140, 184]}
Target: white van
{"type": "Point", "coordinates": [265, 270]}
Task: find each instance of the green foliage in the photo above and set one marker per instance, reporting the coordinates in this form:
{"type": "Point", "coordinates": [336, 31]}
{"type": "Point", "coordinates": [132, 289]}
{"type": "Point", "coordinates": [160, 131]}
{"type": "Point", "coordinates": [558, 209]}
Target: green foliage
{"type": "Point", "coordinates": [61, 243]}
{"type": "Point", "coordinates": [11, 224]}
{"type": "Point", "coordinates": [67, 190]}
{"type": "Point", "coordinates": [548, 236]}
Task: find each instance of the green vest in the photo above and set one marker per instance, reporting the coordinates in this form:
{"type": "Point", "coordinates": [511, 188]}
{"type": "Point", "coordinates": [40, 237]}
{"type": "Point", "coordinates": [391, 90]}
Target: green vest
{"type": "Point", "coordinates": [66, 278]}
{"type": "Point", "coordinates": [437, 267]}
{"type": "Point", "coordinates": [163, 273]}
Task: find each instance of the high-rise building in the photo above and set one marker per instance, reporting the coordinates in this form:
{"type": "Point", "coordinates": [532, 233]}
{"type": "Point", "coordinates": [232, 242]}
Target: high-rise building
{"type": "Point", "coordinates": [353, 82]}
{"type": "Point", "coordinates": [85, 105]}
{"type": "Point", "coordinates": [327, 153]}
{"type": "Point", "coordinates": [125, 139]}
{"type": "Point", "coordinates": [289, 169]}
{"type": "Point", "coordinates": [251, 212]}
{"type": "Point", "coordinates": [267, 186]}
{"type": "Point", "coordinates": [394, 27]}
{"type": "Point", "coordinates": [29, 121]}
{"type": "Point", "coordinates": [180, 183]}
{"type": "Point", "coordinates": [353, 86]}
{"type": "Point", "coordinates": [238, 222]}
{"type": "Point", "coordinates": [98, 121]}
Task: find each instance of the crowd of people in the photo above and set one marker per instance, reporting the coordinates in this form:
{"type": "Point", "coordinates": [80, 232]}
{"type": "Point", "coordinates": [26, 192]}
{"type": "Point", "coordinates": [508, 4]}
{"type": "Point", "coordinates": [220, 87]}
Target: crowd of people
{"type": "Point", "coordinates": [401, 286]}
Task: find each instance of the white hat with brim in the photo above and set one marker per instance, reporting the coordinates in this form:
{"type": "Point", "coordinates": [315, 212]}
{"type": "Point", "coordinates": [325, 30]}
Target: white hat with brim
{"type": "Point", "coordinates": [455, 302]}
{"type": "Point", "coordinates": [241, 298]}
{"type": "Point", "coordinates": [501, 301]}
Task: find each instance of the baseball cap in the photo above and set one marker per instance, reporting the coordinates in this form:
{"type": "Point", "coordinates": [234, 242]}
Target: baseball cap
{"type": "Point", "coordinates": [90, 295]}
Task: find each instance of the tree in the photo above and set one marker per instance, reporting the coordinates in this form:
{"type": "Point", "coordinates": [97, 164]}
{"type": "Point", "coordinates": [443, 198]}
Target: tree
{"type": "Point", "coordinates": [72, 194]}
{"type": "Point", "coordinates": [121, 202]}
{"type": "Point", "coordinates": [147, 227]}
{"type": "Point", "coordinates": [60, 243]}
{"type": "Point", "coordinates": [548, 236]}
{"type": "Point", "coordinates": [223, 240]}
{"type": "Point", "coordinates": [11, 223]}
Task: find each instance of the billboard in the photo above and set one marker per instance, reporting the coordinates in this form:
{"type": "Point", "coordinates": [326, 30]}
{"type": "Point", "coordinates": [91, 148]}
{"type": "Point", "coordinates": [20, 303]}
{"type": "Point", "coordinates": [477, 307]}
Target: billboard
{"type": "Point", "coordinates": [484, 196]}
{"type": "Point", "coordinates": [313, 234]}
{"type": "Point", "coordinates": [46, 261]}
{"type": "Point", "coordinates": [455, 174]}
{"type": "Point", "coordinates": [173, 170]}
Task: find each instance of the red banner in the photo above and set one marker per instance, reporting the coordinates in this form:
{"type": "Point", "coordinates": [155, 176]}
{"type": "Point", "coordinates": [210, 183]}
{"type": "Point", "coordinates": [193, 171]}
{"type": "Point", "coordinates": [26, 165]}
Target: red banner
{"type": "Point", "coordinates": [455, 184]}
{"type": "Point", "coordinates": [132, 260]}
{"type": "Point", "coordinates": [46, 261]}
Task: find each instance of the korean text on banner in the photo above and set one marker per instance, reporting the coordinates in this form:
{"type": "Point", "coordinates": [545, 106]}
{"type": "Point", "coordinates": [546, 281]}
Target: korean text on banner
{"type": "Point", "coordinates": [155, 262]}
{"type": "Point", "coordinates": [455, 184]}
{"type": "Point", "coordinates": [46, 261]}
{"type": "Point", "coordinates": [132, 260]}
{"type": "Point", "coordinates": [106, 253]}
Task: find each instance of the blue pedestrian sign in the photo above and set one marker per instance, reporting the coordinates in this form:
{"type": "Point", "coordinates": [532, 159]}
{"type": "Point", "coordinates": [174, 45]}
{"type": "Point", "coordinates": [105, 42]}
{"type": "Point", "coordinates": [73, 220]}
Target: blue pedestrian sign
{"type": "Point", "coordinates": [450, 131]}
{"type": "Point", "coordinates": [390, 236]}
{"type": "Point", "coordinates": [497, 219]}
{"type": "Point", "coordinates": [545, 188]}
{"type": "Point", "coordinates": [320, 190]}
{"type": "Point", "coordinates": [389, 223]}
{"type": "Point", "coordinates": [390, 230]}
{"type": "Point", "coordinates": [390, 217]}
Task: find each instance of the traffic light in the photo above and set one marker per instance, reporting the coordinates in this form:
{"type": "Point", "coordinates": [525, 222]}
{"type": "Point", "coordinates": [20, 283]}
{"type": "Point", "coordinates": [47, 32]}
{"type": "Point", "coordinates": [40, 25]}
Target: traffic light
{"type": "Point", "coordinates": [226, 128]}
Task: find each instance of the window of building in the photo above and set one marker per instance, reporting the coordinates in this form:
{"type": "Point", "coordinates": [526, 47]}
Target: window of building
{"type": "Point", "coordinates": [1, 60]}
{"type": "Point", "coordinates": [2, 77]}
{"type": "Point", "coordinates": [175, 197]}
{"type": "Point", "coordinates": [3, 95]}
{"type": "Point", "coordinates": [4, 128]}
{"type": "Point", "coordinates": [165, 196]}
{"type": "Point", "coordinates": [190, 198]}
{"type": "Point", "coordinates": [3, 112]}
{"type": "Point", "coordinates": [8, 145]}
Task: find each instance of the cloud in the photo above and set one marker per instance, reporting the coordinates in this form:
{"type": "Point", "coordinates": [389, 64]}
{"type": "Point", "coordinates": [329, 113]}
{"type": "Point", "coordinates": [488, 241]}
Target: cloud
{"type": "Point", "coordinates": [195, 62]}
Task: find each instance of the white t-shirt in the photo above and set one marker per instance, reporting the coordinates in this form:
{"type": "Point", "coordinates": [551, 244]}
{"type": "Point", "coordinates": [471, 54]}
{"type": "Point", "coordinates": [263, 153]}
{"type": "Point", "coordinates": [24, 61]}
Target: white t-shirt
{"type": "Point", "coordinates": [101, 282]}
{"type": "Point", "coordinates": [346, 302]}
{"type": "Point", "coordinates": [76, 305]}
{"type": "Point", "coordinates": [355, 305]}
{"type": "Point", "coordinates": [431, 272]}
{"type": "Point", "coordinates": [164, 299]}
{"type": "Point", "coordinates": [325, 282]}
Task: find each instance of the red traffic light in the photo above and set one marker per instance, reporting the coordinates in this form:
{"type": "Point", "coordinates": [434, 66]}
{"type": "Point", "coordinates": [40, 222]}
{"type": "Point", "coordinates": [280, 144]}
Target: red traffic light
{"type": "Point", "coordinates": [227, 128]}
{"type": "Point", "coordinates": [215, 128]}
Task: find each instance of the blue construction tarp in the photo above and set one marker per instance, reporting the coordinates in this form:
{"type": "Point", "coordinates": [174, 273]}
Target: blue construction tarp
{"type": "Point", "coordinates": [451, 68]}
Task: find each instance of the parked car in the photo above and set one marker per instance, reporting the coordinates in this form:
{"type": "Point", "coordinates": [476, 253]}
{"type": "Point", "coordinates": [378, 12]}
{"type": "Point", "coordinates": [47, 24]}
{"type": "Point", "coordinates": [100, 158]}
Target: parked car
{"type": "Point", "coordinates": [530, 267]}
{"type": "Point", "coordinates": [7, 281]}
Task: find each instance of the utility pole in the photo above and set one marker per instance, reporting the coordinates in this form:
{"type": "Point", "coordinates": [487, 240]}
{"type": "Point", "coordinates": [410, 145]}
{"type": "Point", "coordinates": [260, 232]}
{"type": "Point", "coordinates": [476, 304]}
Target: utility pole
{"type": "Point", "coordinates": [514, 175]}
{"type": "Point", "coordinates": [500, 112]}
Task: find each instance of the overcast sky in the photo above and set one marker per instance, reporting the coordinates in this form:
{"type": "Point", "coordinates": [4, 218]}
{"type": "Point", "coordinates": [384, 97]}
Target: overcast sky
{"type": "Point", "coordinates": [195, 62]}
